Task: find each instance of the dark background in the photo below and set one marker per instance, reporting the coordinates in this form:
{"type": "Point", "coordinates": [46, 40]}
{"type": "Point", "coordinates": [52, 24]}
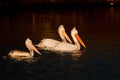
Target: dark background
{"type": "Point", "coordinates": [97, 22]}
{"type": "Point", "coordinates": [5, 4]}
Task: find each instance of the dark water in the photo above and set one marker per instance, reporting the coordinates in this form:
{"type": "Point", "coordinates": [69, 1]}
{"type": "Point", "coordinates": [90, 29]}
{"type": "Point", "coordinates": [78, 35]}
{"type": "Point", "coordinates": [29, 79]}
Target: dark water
{"type": "Point", "coordinates": [98, 28]}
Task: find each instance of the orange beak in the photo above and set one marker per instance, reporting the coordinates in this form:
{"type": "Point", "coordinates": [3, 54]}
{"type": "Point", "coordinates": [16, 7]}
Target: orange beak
{"type": "Point", "coordinates": [80, 40]}
{"type": "Point", "coordinates": [35, 49]}
{"type": "Point", "coordinates": [66, 36]}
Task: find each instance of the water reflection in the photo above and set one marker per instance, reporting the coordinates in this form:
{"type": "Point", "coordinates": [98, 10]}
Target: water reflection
{"type": "Point", "coordinates": [37, 24]}
{"type": "Point", "coordinates": [98, 28]}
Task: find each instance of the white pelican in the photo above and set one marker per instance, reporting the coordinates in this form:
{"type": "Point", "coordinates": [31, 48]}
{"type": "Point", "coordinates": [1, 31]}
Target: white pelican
{"type": "Point", "coordinates": [62, 34]}
{"type": "Point", "coordinates": [63, 46]}
{"type": "Point", "coordinates": [16, 54]}
{"type": "Point", "coordinates": [51, 43]}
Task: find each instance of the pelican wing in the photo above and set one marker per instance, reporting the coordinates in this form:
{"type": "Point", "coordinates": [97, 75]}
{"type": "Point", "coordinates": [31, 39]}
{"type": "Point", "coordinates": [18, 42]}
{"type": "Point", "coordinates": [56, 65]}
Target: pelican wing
{"type": "Point", "coordinates": [48, 43]}
{"type": "Point", "coordinates": [65, 47]}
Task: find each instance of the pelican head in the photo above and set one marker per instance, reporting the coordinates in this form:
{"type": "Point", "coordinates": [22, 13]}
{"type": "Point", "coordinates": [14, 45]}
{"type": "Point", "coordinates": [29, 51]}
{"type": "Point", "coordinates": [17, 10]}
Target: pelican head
{"type": "Point", "coordinates": [63, 34]}
{"type": "Point", "coordinates": [30, 46]}
{"type": "Point", "coordinates": [76, 37]}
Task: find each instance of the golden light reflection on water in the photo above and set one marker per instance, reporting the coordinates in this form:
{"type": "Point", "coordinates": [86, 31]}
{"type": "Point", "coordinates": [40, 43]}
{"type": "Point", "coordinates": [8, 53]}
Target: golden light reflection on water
{"type": "Point", "coordinates": [90, 23]}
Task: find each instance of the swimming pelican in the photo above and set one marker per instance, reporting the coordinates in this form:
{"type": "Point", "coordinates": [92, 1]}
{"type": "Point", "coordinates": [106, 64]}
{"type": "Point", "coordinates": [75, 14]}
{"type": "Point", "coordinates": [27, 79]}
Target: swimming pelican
{"type": "Point", "coordinates": [63, 46]}
{"type": "Point", "coordinates": [63, 35]}
{"type": "Point", "coordinates": [50, 43]}
{"type": "Point", "coordinates": [16, 54]}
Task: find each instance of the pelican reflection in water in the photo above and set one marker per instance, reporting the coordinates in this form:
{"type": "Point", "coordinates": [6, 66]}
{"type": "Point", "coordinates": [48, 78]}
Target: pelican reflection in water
{"type": "Point", "coordinates": [58, 46]}
{"type": "Point", "coordinates": [17, 54]}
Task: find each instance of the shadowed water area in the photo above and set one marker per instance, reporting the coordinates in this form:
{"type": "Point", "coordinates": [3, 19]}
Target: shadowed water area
{"type": "Point", "coordinates": [98, 28]}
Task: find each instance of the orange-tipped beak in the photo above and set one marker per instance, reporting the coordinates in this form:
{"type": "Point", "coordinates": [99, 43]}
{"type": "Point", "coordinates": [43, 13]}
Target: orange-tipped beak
{"type": "Point", "coordinates": [80, 40]}
{"type": "Point", "coordinates": [66, 36]}
{"type": "Point", "coordinates": [35, 49]}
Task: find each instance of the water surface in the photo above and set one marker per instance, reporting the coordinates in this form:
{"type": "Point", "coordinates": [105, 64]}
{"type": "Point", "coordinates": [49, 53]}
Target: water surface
{"type": "Point", "coordinates": [98, 28]}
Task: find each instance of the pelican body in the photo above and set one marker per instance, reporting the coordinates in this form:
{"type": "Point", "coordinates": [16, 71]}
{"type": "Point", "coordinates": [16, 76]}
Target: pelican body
{"type": "Point", "coordinates": [63, 46]}
{"type": "Point", "coordinates": [17, 54]}
{"type": "Point", "coordinates": [51, 43]}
